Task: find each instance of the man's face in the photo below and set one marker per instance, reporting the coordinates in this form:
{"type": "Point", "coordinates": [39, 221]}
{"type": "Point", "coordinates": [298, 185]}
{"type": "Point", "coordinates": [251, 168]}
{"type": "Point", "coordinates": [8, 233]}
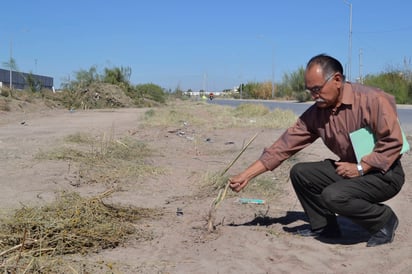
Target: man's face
{"type": "Point", "coordinates": [324, 89]}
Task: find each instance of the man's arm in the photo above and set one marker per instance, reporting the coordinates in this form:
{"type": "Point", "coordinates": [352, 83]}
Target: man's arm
{"type": "Point", "coordinates": [384, 123]}
{"type": "Point", "coordinates": [240, 181]}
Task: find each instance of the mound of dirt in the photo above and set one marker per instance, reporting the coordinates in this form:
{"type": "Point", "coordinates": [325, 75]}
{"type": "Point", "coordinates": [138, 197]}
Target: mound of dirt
{"type": "Point", "coordinates": [97, 95]}
{"type": "Point", "coordinates": [101, 95]}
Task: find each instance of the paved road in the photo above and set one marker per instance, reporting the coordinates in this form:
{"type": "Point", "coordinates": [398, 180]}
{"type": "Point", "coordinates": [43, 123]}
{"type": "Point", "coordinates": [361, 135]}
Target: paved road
{"type": "Point", "coordinates": [404, 111]}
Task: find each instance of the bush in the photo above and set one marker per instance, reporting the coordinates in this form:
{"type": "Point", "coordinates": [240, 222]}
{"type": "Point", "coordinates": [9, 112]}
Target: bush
{"type": "Point", "coordinates": [391, 82]}
{"type": "Point", "coordinates": [149, 92]}
{"type": "Point", "coordinates": [5, 93]}
{"type": "Point", "coordinates": [302, 96]}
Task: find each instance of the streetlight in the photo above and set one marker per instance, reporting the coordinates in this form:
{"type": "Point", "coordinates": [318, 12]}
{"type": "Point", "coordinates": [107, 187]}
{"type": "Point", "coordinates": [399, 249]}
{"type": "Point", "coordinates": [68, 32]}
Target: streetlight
{"type": "Point", "coordinates": [273, 65]}
{"type": "Point", "coordinates": [10, 65]}
{"type": "Point", "coordinates": [273, 71]}
{"type": "Point", "coordinates": [350, 40]}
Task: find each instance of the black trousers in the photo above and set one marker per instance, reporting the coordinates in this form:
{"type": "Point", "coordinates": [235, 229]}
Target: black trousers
{"type": "Point", "coordinates": [323, 194]}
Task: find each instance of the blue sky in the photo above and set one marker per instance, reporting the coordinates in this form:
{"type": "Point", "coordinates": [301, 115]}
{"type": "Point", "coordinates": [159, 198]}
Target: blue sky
{"type": "Point", "coordinates": [209, 45]}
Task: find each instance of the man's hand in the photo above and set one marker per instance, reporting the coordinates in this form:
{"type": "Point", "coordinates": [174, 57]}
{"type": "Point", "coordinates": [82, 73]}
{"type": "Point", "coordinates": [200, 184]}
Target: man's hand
{"type": "Point", "coordinates": [238, 182]}
{"type": "Point", "coordinates": [347, 170]}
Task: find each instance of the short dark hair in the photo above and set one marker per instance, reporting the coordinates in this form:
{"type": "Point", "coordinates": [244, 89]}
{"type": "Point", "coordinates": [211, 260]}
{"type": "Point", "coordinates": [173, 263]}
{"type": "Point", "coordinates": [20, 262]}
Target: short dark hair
{"type": "Point", "coordinates": [328, 64]}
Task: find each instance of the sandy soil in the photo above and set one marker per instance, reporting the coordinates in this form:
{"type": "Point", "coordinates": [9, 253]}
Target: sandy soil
{"type": "Point", "coordinates": [248, 238]}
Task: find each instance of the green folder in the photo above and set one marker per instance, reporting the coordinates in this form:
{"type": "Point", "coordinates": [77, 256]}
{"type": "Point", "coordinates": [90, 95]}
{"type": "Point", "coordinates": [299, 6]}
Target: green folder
{"type": "Point", "coordinates": [363, 142]}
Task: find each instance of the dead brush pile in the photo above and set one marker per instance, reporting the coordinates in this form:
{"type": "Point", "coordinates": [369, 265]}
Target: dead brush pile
{"type": "Point", "coordinates": [69, 225]}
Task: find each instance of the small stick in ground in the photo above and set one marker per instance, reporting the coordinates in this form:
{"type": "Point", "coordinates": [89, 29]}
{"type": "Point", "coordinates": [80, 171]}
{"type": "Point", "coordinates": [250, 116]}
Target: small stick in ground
{"type": "Point", "coordinates": [222, 192]}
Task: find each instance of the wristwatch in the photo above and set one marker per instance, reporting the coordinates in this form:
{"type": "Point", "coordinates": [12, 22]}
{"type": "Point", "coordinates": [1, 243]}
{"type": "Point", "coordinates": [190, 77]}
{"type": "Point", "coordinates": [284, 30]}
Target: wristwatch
{"type": "Point", "coordinates": [360, 169]}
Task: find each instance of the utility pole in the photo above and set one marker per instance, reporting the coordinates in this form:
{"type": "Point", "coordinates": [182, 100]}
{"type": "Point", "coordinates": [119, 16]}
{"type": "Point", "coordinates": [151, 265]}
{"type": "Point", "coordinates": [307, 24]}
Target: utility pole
{"type": "Point", "coordinates": [350, 41]}
{"type": "Point", "coordinates": [360, 66]}
{"type": "Point", "coordinates": [10, 65]}
{"type": "Point", "coordinates": [273, 71]}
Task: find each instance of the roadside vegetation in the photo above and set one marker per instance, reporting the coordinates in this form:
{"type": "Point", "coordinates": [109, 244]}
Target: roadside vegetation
{"type": "Point", "coordinates": [111, 88]}
{"type": "Point", "coordinates": [212, 116]}
{"type": "Point", "coordinates": [396, 81]}
{"type": "Point", "coordinates": [89, 89]}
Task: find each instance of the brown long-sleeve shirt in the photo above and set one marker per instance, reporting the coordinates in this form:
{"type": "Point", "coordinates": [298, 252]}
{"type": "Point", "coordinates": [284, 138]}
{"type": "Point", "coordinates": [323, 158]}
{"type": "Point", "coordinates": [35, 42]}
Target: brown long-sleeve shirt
{"type": "Point", "coordinates": [361, 106]}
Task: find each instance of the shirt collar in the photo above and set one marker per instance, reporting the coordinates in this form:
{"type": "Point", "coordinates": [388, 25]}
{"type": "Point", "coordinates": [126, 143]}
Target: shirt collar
{"type": "Point", "coordinates": [347, 96]}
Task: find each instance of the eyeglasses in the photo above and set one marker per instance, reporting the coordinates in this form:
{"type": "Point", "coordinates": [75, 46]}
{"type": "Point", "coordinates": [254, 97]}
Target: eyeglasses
{"type": "Point", "coordinates": [317, 89]}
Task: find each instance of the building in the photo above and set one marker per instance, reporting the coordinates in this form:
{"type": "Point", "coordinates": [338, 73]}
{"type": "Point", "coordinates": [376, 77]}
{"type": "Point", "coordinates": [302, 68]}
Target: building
{"type": "Point", "coordinates": [20, 79]}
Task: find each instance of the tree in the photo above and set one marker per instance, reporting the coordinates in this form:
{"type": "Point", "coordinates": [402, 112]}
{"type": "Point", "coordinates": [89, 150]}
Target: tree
{"type": "Point", "coordinates": [117, 75]}
{"type": "Point", "coordinates": [85, 78]}
{"type": "Point", "coordinates": [254, 90]}
{"type": "Point", "coordinates": [151, 92]}
{"type": "Point", "coordinates": [293, 82]}
{"type": "Point", "coordinates": [293, 85]}
{"type": "Point", "coordinates": [12, 66]}
{"type": "Point", "coordinates": [32, 82]}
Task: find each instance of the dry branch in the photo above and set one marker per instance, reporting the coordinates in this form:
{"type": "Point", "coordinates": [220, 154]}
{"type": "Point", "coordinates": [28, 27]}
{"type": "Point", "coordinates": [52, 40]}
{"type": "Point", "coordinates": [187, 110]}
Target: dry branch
{"type": "Point", "coordinates": [222, 192]}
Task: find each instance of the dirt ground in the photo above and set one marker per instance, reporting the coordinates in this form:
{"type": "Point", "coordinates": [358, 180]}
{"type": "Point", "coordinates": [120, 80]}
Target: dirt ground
{"type": "Point", "coordinates": [248, 238]}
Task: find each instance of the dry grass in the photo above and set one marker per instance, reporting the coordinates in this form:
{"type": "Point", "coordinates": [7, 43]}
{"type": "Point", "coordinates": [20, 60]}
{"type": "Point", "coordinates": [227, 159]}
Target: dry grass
{"type": "Point", "coordinates": [266, 185]}
{"type": "Point", "coordinates": [36, 240]}
{"type": "Point", "coordinates": [70, 225]}
{"type": "Point", "coordinates": [212, 116]}
{"type": "Point", "coordinates": [4, 105]}
{"type": "Point", "coordinates": [103, 160]}
{"type": "Point", "coordinates": [262, 186]}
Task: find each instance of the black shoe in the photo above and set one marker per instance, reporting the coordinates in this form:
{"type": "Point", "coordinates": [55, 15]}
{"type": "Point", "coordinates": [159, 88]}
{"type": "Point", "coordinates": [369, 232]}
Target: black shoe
{"type": "Point", "coordinates": [329, 231]}
{"type": "Point", "coordinates": [385, 234]}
